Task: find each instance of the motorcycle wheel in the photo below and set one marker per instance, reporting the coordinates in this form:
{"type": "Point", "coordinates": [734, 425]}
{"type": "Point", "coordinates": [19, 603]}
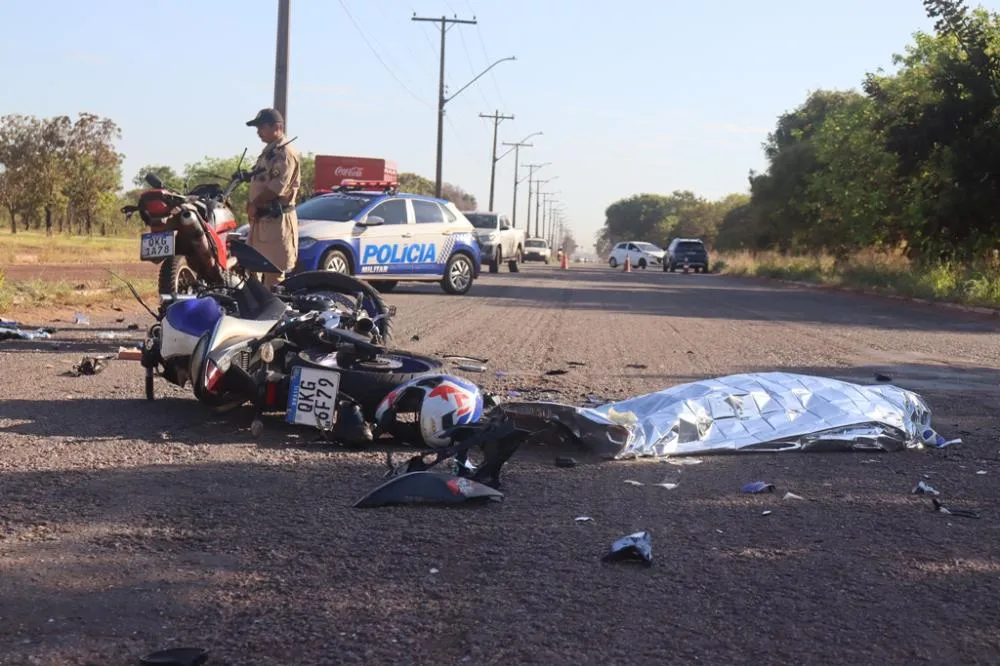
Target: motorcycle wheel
{"type": "Point", "coordinates": [318, 281]}
{"type": "Point", "coordinates": [369, 382]}
{"type": "Point", "coordinates": [176, 276]}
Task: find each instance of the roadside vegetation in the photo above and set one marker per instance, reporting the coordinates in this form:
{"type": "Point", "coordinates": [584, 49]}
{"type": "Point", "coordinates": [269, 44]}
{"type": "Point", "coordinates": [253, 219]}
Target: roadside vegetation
{"type": "Point", "coordinates": [20, 297]}
{"type": "Point", "coordinates": [893, 186]}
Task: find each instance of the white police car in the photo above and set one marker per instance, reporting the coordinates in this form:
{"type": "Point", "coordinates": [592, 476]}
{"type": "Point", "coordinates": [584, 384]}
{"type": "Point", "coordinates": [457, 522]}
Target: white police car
{"type": "Point", "coordinates": [368, 229]}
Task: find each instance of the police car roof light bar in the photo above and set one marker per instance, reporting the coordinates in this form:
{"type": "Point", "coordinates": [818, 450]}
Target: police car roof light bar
{"type": "Point", "coordinates": [387, 186]}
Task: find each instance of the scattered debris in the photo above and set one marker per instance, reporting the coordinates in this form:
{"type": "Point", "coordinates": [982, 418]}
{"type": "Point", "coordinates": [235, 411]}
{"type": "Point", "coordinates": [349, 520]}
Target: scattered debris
{"type": "Point", "coordinates": [668, 486]}
{"type": "Point", "coordinates": [636, 547]}
{"type": "Point", "coordinates": [82, 319]}
{"type": "Point", "coordinates": [129, 354]}
{"type": "Point", "coordinates": [576, 363]}
{"type": "Point", "coordinates": [963, 513]}
{"type": "Point", "coordinates": [565, 461]}
{"type": "Point", "coordinates": [766, 513]}
{"type": "Point", "coordinates": [117, 309]}
{"type": "Point", "coordinates": [633, 483]}
{"type": "Point", "coordinates": [683, 462]}
{"type": "Point", "coordinates": [513, 394]}
{"type": "Point", "coordinates": [981, 472]}
{"type": "Point", "coordinates": [758, 487]}
{"type": "Point", "coordinates": [133, 327]}
{"type": "Point", "coordinates": [414, 338]}
{"type": "Point", "coordinates": [175, 657]}
{"type": "Point", "coordinates": [558, 371]}
{"type": "Point", "coordinates": [471, 367]}
{"type": "Point", "coordinates": [107, 335]}
{"type": "Point", "coordinates": [13, 331]}
{"type": "Point", "coordinates": [924, 489]}
{"type": "Point", "coordinates": [790, 495]}
{"type": "Point", "coordinates": [879, 377]}
{"type": "Point", "coordinates": [500, 374]}
{"type": "Point", "coordinates": [583, 519]}
{"type": "Point", "coordinates": [90, 365]}
{"type": "Point", "coordinates": [120, 320]}
{"type": "Point", "coordinates": [932, 438]}
{"type": "Point", "coordinates": [637, 366]}
{"type": "Point", "coordinates": [435, 570]}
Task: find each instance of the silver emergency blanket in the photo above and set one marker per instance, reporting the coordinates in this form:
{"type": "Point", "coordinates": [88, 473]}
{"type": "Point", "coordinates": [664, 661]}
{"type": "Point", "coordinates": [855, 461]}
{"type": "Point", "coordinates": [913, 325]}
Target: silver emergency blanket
{"type": "Point", "coordinates": [758, 412]}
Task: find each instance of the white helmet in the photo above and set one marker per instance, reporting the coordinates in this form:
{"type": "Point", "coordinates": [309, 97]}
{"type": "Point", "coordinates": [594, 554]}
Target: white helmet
{"type": "Point", "coordinates": [442, 402]}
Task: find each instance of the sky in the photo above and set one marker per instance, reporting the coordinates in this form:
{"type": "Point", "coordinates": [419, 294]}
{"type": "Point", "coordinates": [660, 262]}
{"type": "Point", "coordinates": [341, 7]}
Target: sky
{"type": "Point", "coordinates": [644, 96]}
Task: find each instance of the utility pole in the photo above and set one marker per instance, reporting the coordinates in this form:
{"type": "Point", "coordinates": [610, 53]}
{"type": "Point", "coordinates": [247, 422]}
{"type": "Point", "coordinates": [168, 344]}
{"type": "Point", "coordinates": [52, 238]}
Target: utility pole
{"type": "Point", "coordinates": [281, 61]}
{"type": "Point", "coordinates": [497, 118]}
{"type": "Point", "coordinates": [442, 100]}
{"type": "Point", "coordinates": [538, 199]}
{"type": "Point", "coordinates": [531, 171]}
{"type": "Point", "coordinates": [516, 147]}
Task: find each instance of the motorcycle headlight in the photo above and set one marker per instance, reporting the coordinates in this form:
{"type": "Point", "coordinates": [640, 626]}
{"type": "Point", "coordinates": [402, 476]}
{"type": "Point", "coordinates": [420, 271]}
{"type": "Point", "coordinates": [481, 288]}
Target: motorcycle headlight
{"type": "Point", "coordinates": [306, 242]}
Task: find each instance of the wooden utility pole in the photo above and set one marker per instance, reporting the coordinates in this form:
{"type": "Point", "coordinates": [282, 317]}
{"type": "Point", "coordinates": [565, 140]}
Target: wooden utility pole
{"type": "Point", "coordinates": [444, 21]}
{"type": "Point", "coordinates": [497, 118]}
{"type": "Point", "coordinates": [281, 61]}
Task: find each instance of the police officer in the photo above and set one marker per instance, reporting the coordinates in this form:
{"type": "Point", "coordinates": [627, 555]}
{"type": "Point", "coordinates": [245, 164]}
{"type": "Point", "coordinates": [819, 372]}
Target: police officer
{"type": "Point", "coordinates": [274, 226]}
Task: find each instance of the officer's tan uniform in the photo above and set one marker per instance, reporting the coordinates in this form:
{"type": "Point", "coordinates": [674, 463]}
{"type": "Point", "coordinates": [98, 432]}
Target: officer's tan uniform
{"type": "Point", "coordinates": [277, 238]}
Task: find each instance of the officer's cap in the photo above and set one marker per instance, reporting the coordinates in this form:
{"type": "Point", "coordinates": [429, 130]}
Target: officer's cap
{"type": "Point", "coordinates": [266, 117]}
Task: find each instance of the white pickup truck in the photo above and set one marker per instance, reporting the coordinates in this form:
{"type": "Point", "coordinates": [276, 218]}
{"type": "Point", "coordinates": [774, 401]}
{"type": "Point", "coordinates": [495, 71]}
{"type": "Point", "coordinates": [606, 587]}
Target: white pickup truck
{"type": "Point", "coordinates": [498, 240]}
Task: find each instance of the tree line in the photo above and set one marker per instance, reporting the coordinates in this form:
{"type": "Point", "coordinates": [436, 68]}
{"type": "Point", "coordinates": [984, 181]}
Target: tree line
{"type": "Point", "coordinates": [65, 176]}
{"type": "Point", "coordinates": [910, 163]}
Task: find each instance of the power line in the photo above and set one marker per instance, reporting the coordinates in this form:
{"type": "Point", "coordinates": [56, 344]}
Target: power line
{"type": "Point", "coordinates": [376, 54]}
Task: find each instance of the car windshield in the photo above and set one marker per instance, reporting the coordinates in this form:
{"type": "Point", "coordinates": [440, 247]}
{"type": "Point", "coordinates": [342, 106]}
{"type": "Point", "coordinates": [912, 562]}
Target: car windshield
{"type": "Point", "coordinates": [480, 221]}
{"type": "Point", "coordinates": [534, 243]}
{"type": "Point", "coordinates": [648, 247]}
{"type": "Point", "coordinates": [690, 245]}
{"type": "Point", "coordinates": [332, 208]}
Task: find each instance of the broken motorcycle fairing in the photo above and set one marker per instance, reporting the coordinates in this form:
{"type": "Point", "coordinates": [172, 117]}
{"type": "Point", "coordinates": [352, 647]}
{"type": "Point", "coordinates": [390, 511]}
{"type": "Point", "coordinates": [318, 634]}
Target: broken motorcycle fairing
{"type": "Point", "coordinates": [754, 412]}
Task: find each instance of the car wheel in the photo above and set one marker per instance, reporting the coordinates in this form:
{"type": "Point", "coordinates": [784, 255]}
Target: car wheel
{"type": "Point", "coordinates": [546, 262]}
{"type": "Point", "coordinates": [495, 262]}
{"type": "Point", "coordinates": [613, 262]}
{"type": "Point", "coordinates": [335, 261]}
{"type": "Point", "coordinates": [457, 275]}
{"type": "Point", "coordinates": [512, 264]}
{"type": "Point", "coordinates": [642, 264]}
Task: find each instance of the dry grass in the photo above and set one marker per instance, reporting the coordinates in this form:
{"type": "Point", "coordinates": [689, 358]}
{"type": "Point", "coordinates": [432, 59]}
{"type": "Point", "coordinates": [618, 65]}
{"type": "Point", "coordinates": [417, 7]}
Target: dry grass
{"type": "Point", "coordinates": [27, 295]}
{"type": "Point", "coordinates": [881, 271]}
{"type": "Point", "coordinates": [34, 247]}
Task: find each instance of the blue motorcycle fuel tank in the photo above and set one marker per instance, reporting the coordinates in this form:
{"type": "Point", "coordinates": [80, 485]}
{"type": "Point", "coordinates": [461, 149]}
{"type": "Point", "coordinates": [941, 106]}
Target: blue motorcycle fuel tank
{"type": "Point", "coordinates": [194, 316]}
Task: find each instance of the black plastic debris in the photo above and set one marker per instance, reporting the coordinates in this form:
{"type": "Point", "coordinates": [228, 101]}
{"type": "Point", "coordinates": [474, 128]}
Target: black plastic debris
{"type": "Point", "coordinates": [175, 657]}
{"type": "Point", "coordinates": [758, 487]}
{"type": "Point", "coordinates": [565, 461]}
{"type": "Point", "coordinates": [962, 513]}
{"type": "Point", "coordinates": [576, 363]}
{"type": "Point", "coordinates": [414, 338]}
{"type": "Point", "coordinates": [133, 327]}
{"type": "Point", "coordinates": [427, 488]}
{"type": "Point", "coordinates": [879, 377]}
{"type": "Point", "coordinates": [17, 333]}
{"type": "Point", "coordinates": [556, 372]}
{"type": "Point", "coordinates": [636, 547]}
{"type": "Point", "coordinates": [637, 366]}
{"type": "Point", "coordinates": [90, 365]}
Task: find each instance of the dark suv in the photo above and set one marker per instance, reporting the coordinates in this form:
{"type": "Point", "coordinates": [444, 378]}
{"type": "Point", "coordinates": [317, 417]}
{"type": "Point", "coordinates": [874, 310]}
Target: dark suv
{"type": "Point", "coordinates": [690, 251]}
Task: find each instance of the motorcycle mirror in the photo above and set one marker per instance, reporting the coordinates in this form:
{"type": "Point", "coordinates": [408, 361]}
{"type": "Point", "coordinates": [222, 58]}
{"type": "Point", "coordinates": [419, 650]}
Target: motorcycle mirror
{"type": "Point", "coordinates": [154, 181]}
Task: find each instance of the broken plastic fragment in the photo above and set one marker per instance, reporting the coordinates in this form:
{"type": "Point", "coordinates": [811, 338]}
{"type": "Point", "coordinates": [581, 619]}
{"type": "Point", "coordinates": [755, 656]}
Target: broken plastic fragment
{"type": "Point", "coordinates": [425, 487]}
{"type": "Point", "coordinates": [80, 318]}
{"type": "Point", "coordinates": [964, 513]}
{"type": "Point", "coordinates": [923, 489]}
{"type": "Point", "coordinates": [791, 495]}
{"type": "Point", "coordinates": [636, 547]}
{"type": "Point", "coordinates": [469, 367]}
{"type": "Point", "coordinates": [435, 570]}
{"type": "Point", "coordinates": [634, 483]}
{"type": "Point", "coordinates": [981, 472]}
{"type": "Point", "coordinates": [932, 438]}
{"type": "Point", "coordinates": [583, 519]}
{"type": "Point", "coordinates": [565, 461]}
{"type": "Point", "coordinates": [758, 487]}
{"type": "Point", "coordinates": [766, 513]}
{"type": "Point", "coordinates": [668, 486]}
{"type": "Point", "coordinates": [681, 462]}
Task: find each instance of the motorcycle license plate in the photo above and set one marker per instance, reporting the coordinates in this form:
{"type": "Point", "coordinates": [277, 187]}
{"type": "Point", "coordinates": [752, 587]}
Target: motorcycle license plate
{"type": "Point", "coordinates": [157, 245]}
{"type": "Point", "coordinates": [312, 394]}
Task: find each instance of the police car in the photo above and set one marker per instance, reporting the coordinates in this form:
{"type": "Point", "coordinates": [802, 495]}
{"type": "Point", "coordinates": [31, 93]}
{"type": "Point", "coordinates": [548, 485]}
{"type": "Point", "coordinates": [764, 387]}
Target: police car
{"type": "Point", "coordinates": [370, 230]}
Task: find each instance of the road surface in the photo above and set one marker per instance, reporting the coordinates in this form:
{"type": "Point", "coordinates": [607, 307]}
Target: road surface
{"type": "Point", "coordinates": [129, 526]}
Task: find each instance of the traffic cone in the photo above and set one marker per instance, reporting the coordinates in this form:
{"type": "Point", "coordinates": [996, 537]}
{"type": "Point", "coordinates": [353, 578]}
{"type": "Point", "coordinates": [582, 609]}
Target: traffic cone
{"type": "Point", "coordinates": [564, 261]}
{"type": "Point", "coordinates": [628, 265]}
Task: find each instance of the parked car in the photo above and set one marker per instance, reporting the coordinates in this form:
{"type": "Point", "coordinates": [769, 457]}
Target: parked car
{"type": "Point", "coordinates": [537, 249]}
{"type": "Point", "coordinates": [498, 240]}
{"type": "Point", "coordinates": [690, 251]}
{"type": "Point", "coordinates": [370, 230]}
{"type": "Point", "coordinates": [640, 254]}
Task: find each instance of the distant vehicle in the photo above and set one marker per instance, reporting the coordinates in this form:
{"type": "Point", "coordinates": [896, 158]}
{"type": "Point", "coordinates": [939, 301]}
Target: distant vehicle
{"type": "Point", "coordinates": [686, 252]}
{"type": "Point", "coordinates": [369, 229]}
{"type": "Point", "coordinates": [499, 241]}
{"type": "Point", "coordinates": [537, 249]}
{"type": "Point", "coordinates": [640, 254]}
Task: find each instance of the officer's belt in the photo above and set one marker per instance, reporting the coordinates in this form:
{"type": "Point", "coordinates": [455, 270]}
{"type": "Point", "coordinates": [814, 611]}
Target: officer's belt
{"type": "Point", "coordinates": [269, 211]}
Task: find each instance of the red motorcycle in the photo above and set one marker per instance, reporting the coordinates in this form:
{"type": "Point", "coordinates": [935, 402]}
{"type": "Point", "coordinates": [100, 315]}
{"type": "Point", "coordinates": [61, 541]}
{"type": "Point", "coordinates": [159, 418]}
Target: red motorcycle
{"type": "Point", "coordinates": [187, 232]}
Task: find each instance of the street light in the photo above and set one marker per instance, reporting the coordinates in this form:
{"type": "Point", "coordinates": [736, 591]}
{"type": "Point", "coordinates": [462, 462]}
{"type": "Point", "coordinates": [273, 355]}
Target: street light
{"type": "Point", "coordinates": [442, 100]}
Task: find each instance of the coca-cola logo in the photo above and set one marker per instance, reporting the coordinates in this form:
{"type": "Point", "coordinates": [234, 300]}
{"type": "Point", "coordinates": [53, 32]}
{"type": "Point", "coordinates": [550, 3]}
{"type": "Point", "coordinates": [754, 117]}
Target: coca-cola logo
{"type": "Point", "coordinates": [349, 172]}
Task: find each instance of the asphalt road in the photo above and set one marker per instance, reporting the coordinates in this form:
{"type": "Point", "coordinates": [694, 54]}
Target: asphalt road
{"type": "Point", "coordinates": [129, 526]}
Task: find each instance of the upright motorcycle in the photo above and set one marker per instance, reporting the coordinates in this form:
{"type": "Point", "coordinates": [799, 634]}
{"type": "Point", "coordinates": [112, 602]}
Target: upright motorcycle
{"type": "Point", "coordinates": [187, 232]}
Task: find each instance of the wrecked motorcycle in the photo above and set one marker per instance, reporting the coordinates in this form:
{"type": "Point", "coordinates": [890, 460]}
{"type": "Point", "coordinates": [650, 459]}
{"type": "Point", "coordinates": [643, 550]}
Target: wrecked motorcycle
{"type": "Point", "coordinates": [187, 232]}
{"type": "Point", "coordinates": [321, 368]}
{"type": "Point", "coordinates": [251, 309]}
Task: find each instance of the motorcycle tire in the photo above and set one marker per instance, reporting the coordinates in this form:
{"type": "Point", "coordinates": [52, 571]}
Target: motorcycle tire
{"type": "Point", "coordinates": [171, 271]}
{"type": "Point", "coordinates": [368, 383]}
{"type": "Point", "coordinates": [343, 284]}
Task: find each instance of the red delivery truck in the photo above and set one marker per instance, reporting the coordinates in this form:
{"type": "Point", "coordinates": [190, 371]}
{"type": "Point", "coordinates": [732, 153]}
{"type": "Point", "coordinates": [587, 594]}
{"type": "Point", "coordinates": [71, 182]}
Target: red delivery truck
{"type": "Point", "coordinates": [332, 170]}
